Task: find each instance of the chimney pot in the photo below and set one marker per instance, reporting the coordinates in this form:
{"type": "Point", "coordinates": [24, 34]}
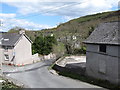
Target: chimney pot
{"type": "Point", "coordinates": [22, 32]}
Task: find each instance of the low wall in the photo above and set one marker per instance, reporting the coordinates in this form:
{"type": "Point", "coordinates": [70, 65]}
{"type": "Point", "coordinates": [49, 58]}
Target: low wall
{"type": "Point", "coordinates": [73, 69]}
{"type": "Point", "coordinates": [36, 58]}
{"type": "Point", "coordinates": [50, 56]}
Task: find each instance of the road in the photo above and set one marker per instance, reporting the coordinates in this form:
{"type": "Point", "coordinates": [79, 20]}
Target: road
{"type": "Point", "coordinates": [38, 76]}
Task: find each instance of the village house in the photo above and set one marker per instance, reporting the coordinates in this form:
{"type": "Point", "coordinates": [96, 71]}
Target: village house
{"type": "Point", "coordinates": [16, 48]}
{"type": "Point", "coordinates": [102, 55]}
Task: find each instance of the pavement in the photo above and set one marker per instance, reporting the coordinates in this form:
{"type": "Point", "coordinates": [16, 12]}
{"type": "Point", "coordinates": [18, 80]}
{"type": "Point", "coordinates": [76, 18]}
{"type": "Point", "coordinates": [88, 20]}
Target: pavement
{"type": "Point", "coordinates": [38, 76]}
{"type": "Point", "coordinates": [71, 60]}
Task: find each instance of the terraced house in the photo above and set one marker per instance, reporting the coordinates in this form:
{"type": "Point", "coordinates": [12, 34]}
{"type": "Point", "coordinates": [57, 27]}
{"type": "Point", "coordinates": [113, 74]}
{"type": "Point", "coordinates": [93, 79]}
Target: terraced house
{"type": "Point", "coordinates": [103, 52]}
{"type": "Point", "coordinates": [16, 48]}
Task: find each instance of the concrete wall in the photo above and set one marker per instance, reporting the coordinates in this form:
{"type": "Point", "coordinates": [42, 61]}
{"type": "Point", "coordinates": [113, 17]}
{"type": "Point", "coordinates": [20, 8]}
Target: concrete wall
{"type": "Point", "coordinates": [23, 53]}
{"type": "Point", "coordinates": [103, 65]}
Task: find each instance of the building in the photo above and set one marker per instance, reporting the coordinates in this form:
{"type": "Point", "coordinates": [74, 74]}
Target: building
{"type": "Point", "coordinates": [103, 52]}
{"type": "Point", "coordinates": [16, 48]}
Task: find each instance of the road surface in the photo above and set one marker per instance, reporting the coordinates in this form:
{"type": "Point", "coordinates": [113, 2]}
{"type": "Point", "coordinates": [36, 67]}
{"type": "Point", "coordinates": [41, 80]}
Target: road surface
{"type": "Point", "coordinates": [38, 76]}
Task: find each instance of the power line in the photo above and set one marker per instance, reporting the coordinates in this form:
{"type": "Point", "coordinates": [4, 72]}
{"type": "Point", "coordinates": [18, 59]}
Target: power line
{"type": "Point", "coordinates": [54, 9]}
{"type": "Point", "coordinates": [21, 17]}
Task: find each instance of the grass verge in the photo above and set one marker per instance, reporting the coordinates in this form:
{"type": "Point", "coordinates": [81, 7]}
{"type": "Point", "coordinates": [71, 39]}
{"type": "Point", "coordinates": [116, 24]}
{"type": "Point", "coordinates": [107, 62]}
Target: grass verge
{"type": "Point", "coordinates": [51, 66]}
{"type": "Point", "coordinates": [98, 82]}
{"type": "Point", "coordinates": [9, 85]}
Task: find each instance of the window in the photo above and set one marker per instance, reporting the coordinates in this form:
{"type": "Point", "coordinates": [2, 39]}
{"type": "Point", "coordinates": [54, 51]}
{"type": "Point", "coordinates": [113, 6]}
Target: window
{"type": "Point", "coordinates": [102, 48]}
{"type": "Point", "coordinates": [6, 57]}
{"type": "Point", "coordinates": [102, 66]}
{"type": "Point", "coordinates": [6, 49]}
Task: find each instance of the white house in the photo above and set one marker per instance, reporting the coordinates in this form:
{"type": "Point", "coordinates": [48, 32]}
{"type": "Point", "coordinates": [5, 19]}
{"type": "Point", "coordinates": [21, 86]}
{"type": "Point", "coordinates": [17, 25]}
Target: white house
{"type": "Point", "coordinates": [103, 52]}
{"type": "Point", "coordinates": [16, 48]}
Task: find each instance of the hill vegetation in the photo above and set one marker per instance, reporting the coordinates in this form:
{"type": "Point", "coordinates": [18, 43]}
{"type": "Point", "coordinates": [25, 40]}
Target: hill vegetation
{"type": "Point", "coordinates": [74, 32]}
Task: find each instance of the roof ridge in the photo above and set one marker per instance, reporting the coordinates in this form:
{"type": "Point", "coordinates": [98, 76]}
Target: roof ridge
{"type": "Point", "coordinates": [104, 33]}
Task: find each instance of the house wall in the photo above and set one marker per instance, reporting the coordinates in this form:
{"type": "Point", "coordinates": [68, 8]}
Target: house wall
{"type": "Point", "coordinates": [103, 65]}
{"type": "Point", "coordinates": [23, 53]}
{"type": "Point", "coordinates": [1, 54]}
{"type": "Point", "coordinates": [8, 52]}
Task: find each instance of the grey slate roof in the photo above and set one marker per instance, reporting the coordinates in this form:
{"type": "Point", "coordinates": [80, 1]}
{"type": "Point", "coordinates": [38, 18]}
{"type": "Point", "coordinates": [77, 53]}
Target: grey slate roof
{"type": "Point", "coordinates": [105, 33]}
{"type": "Point", "coordinates": [13, 38]}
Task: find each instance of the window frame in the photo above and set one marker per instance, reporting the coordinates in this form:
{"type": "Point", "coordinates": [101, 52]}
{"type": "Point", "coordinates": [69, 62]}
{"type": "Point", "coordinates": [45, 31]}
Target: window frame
{"type": "Point", "coordinates": [6, 48]}
{"type": "Point", "coordinates": [6, 56]}
{"type": "Point", "coordinates": [103, 48]}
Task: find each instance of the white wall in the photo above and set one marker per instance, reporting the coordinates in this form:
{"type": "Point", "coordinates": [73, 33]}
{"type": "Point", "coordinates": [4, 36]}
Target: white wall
{"type": "Point", "coordinates": [9, 53]}
{"type": "Point", "coordinates": [103, 65]}
{"type": "Point", "coordinates": [23, 53]}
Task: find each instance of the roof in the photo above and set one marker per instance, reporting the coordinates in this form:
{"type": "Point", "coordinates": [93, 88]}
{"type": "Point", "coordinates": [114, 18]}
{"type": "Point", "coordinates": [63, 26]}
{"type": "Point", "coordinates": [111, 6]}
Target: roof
{"type": "Point", "coordinates": [105, 33]}
{"type": "Point", "coordinates": [10, 39]}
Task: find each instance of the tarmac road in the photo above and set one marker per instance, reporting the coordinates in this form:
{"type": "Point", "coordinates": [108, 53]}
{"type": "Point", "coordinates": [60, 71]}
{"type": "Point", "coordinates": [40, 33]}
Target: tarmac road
{"type": "Point", "coordinates": [38, 76]}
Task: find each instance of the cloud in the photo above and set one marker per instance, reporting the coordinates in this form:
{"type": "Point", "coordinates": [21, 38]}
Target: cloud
{"type": "Point", "coordinates": [40, 1]}
{"type": "Point", "coordinates": [63, 8]}
{"type": "Point", "coordinates": [68, 9]}
{"type": "Point", "coordinates": [12, 15]}
{"type": "Point", "coordinates": [9, 21]}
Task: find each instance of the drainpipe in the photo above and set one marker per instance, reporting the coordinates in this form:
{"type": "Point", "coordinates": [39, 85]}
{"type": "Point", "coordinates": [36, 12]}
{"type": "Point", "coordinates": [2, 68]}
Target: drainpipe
{"type": "Point", "coordinates": [14, 56]}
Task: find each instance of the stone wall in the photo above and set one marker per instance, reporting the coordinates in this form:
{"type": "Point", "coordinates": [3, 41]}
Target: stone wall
{"type": "Point", "coordinates": [71, 69]}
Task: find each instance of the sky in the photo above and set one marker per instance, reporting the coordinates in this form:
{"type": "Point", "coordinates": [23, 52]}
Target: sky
{"type": "Point", "coordinates": [43, 14]}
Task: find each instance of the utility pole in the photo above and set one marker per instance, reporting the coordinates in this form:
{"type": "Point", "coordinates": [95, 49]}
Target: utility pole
{"type": "Point", "coordinates": [1, 49]}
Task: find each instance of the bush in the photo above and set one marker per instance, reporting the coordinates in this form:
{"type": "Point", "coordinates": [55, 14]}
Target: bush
{"type": "Point", "coordinates": [43, 45]}
{"type": "Point", "coordinates": [7, 85]}
{"type": "Point", "coordinates": [59, 49]}
{"type": "Point", "coordinates": [82, 50]}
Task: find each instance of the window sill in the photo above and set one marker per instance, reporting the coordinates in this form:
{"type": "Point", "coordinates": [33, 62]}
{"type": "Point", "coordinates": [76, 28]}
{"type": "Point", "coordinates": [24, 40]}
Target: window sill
{"type": "Point", "coordinates": [103, 53]}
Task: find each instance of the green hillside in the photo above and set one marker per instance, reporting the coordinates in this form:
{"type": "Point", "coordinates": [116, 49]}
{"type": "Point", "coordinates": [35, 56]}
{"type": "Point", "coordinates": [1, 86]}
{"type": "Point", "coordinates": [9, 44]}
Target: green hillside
{"type": "Point", "coordinates": [80, 28]}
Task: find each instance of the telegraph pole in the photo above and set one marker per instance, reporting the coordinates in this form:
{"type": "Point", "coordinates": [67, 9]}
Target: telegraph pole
{"type": "Point", "coordinates": [1, 49]}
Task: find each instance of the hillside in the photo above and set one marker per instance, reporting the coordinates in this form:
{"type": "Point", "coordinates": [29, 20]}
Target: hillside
{"type": "Point", "coordinates": [75, 31]}
{"type": "Point", "coordinates": [80, 27]}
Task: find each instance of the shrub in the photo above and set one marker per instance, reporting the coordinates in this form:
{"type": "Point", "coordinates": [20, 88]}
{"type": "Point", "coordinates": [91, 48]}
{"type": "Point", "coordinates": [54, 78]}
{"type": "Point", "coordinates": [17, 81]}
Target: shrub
{"type": "Point", "coordinates": [82, 50]}
{"type": "Point", "coordinates": [43, 44]}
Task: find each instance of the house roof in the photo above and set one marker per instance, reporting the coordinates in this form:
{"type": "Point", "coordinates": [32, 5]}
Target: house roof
{"type": "Point", "coordinates": [10, 39]}
{"type": "Point", "coordinates": [105, 33]}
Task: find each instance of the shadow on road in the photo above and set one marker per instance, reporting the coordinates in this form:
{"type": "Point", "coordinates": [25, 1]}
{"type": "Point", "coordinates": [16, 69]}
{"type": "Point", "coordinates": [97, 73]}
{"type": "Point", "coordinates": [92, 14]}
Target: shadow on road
{"type": "Point", "coordinates": [32, 69]}
{"type": "Point", "coordinates": [46, 63]}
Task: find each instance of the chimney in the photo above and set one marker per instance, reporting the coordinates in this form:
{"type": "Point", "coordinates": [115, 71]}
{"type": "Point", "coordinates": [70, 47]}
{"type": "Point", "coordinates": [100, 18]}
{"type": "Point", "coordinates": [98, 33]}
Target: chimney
{"type": "Point", "coordinates": [22, 31]}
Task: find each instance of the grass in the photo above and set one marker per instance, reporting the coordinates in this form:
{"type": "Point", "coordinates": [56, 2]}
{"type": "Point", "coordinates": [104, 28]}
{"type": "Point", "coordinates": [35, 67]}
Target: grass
{"type": "Point", "coordinates": [50, 67]}
{"type": "Point", "coordinates": [98, 82]}
{"type": "Point", "coordinates": [9, 85]}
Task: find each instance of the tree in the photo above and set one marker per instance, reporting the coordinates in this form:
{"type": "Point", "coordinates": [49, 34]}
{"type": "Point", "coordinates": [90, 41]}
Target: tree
{"type": "Point", "coordinates": [16, 29]}
{"type": "Point", "coordinates": [43, 45]}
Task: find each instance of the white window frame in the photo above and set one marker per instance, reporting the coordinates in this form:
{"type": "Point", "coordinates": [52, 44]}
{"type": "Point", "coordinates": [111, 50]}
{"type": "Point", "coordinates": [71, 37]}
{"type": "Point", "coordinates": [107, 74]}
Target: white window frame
{"type": "Point", "coordinates": [6, 59]}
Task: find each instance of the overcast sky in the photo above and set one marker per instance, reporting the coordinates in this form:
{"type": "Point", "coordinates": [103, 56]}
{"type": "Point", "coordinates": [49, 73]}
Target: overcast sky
{"type": "Point", "coordinates": [41, 14]}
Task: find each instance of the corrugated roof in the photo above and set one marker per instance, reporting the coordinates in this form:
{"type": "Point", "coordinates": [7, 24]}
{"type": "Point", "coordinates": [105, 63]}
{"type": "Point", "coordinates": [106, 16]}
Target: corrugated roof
{"type": "Point", "coordinates": [105, 33]}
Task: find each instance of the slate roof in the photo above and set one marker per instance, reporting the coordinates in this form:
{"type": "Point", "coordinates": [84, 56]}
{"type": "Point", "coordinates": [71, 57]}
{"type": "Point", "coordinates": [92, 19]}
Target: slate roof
{"type": "Point", "coordinates": [10, 39]}
{"type": "Point", "coordinates": [105, 33]}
